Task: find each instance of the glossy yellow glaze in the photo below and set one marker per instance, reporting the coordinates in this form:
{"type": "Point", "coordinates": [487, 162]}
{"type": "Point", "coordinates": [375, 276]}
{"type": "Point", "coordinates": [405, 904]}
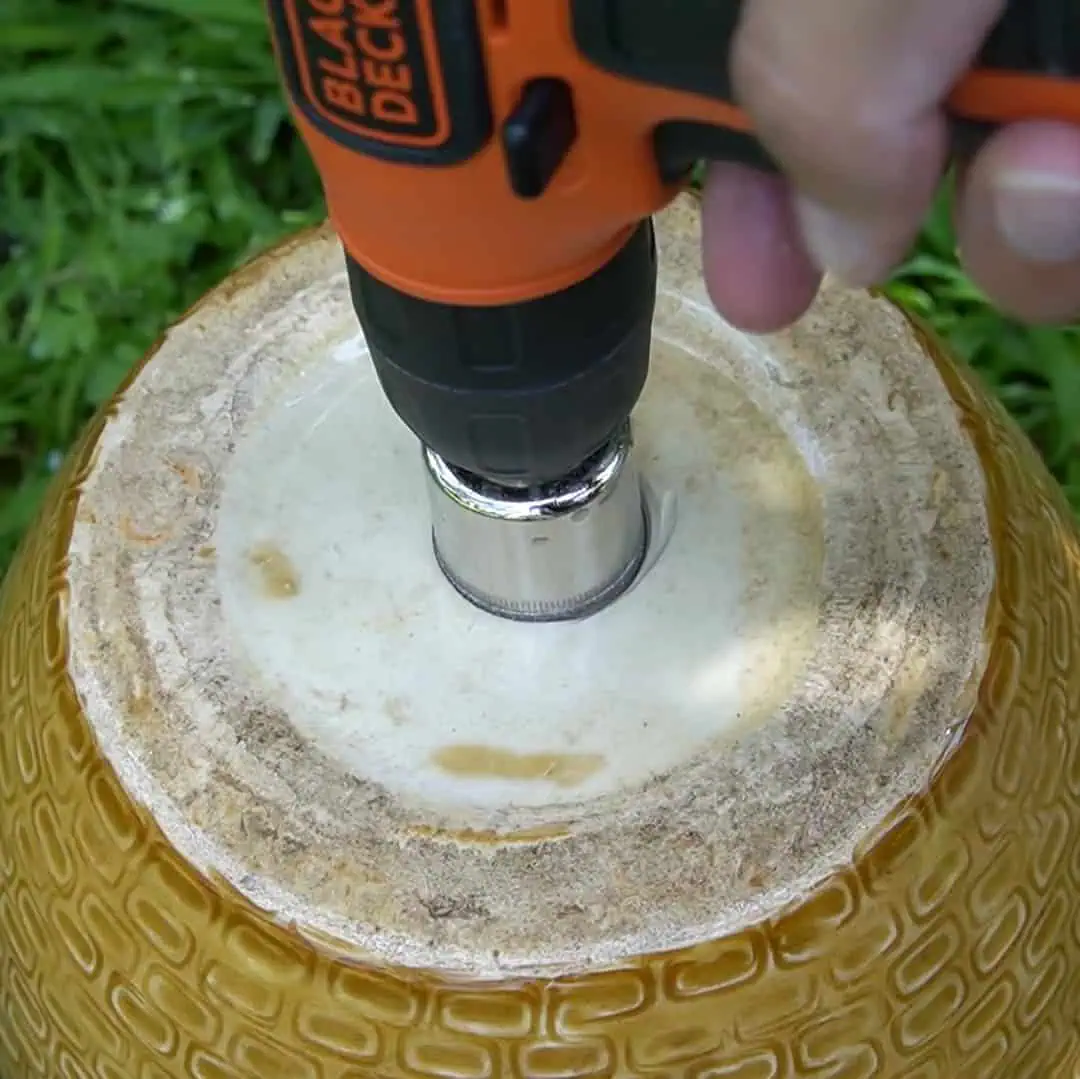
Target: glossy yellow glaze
{"type": "Point", "coordinates": [950, 948]}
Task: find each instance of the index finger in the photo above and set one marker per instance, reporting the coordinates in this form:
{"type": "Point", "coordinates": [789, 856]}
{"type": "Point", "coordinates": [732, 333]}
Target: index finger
{"type": "Point", "coordinates": [847, 95]}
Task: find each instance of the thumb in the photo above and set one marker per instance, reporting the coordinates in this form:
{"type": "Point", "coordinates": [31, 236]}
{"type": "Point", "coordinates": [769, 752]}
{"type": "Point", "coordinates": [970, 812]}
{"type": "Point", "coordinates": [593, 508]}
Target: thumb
{"type": "Point", "coordinates": [847, 95]}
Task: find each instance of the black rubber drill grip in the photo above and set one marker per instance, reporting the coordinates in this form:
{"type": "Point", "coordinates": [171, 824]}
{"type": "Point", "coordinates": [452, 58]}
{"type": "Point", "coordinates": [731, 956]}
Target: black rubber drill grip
{"type": "Point", "coordinates": [520, 394]}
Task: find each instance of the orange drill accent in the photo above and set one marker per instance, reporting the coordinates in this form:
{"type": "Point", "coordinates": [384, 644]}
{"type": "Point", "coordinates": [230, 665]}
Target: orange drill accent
{"type": "Point", "coordinates": [1003, 97]}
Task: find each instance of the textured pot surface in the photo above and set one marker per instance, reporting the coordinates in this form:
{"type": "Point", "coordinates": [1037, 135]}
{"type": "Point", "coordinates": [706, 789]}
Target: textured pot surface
{"type": "Point", "coordinates": [276, 802]}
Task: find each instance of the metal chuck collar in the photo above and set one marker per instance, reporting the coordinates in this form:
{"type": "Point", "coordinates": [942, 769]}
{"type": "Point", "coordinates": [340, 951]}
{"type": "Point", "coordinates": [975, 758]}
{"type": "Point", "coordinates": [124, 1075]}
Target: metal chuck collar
{"type": "Point", "coordinates": [542, 554]}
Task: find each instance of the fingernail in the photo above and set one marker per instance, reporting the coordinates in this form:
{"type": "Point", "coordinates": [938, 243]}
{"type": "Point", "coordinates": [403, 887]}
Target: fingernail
{"type": "Point", "coordinates": [1038, 214]}
{"type": "Point", "coordinates": [841, 247]}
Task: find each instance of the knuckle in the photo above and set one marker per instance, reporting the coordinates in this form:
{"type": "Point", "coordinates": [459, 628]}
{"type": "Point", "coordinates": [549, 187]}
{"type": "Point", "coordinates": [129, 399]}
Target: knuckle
{"type": "Point", "coordinates": [813, 127]}
{"type": "Point", "coordinates": [823, 107]}
{"type": "Point", "coordinates": [797, 118]}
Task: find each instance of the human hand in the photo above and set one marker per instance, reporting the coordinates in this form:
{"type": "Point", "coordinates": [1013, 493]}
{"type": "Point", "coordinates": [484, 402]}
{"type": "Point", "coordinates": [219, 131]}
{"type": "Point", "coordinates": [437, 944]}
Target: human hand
{"type": "Point", "coordinates": [848, 97]}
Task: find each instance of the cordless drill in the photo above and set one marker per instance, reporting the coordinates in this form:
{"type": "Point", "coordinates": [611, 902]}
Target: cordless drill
{"type": "Point", "coordinates": [491, 167]}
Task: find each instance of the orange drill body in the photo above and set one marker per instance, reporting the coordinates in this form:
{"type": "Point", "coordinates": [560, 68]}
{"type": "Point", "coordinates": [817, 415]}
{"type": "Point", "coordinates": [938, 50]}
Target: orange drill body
{"type": "Point", "coordinates": [458, 233]}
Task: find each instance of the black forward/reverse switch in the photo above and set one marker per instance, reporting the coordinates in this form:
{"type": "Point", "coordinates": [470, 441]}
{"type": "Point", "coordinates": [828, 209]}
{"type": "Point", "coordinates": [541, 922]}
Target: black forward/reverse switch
{"type": "Point", "coordinates": [538, 135]}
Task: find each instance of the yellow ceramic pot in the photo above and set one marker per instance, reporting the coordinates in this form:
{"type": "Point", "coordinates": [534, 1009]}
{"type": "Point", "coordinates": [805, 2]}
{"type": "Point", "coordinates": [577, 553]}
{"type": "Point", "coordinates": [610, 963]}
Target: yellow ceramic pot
{"type": "Point", "coordinates": [276, 803]}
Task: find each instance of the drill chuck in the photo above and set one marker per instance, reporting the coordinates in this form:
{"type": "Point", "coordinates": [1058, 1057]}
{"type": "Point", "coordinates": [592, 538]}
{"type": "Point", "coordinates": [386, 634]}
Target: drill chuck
{"type": "Point", "coordinates": [520, 394]}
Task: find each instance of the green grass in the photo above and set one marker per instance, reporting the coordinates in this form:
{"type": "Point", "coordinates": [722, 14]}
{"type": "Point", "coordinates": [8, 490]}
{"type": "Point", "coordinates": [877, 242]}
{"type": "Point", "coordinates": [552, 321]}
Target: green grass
{"type": "Point", "coordinates": [145, 151]}
{"type": "Point", "coordinates": [1035, 371]}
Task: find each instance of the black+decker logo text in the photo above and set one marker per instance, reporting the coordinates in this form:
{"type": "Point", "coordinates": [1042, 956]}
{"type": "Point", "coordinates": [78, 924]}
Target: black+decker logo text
{"type": "Point", "coordinates": [365, 67]}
